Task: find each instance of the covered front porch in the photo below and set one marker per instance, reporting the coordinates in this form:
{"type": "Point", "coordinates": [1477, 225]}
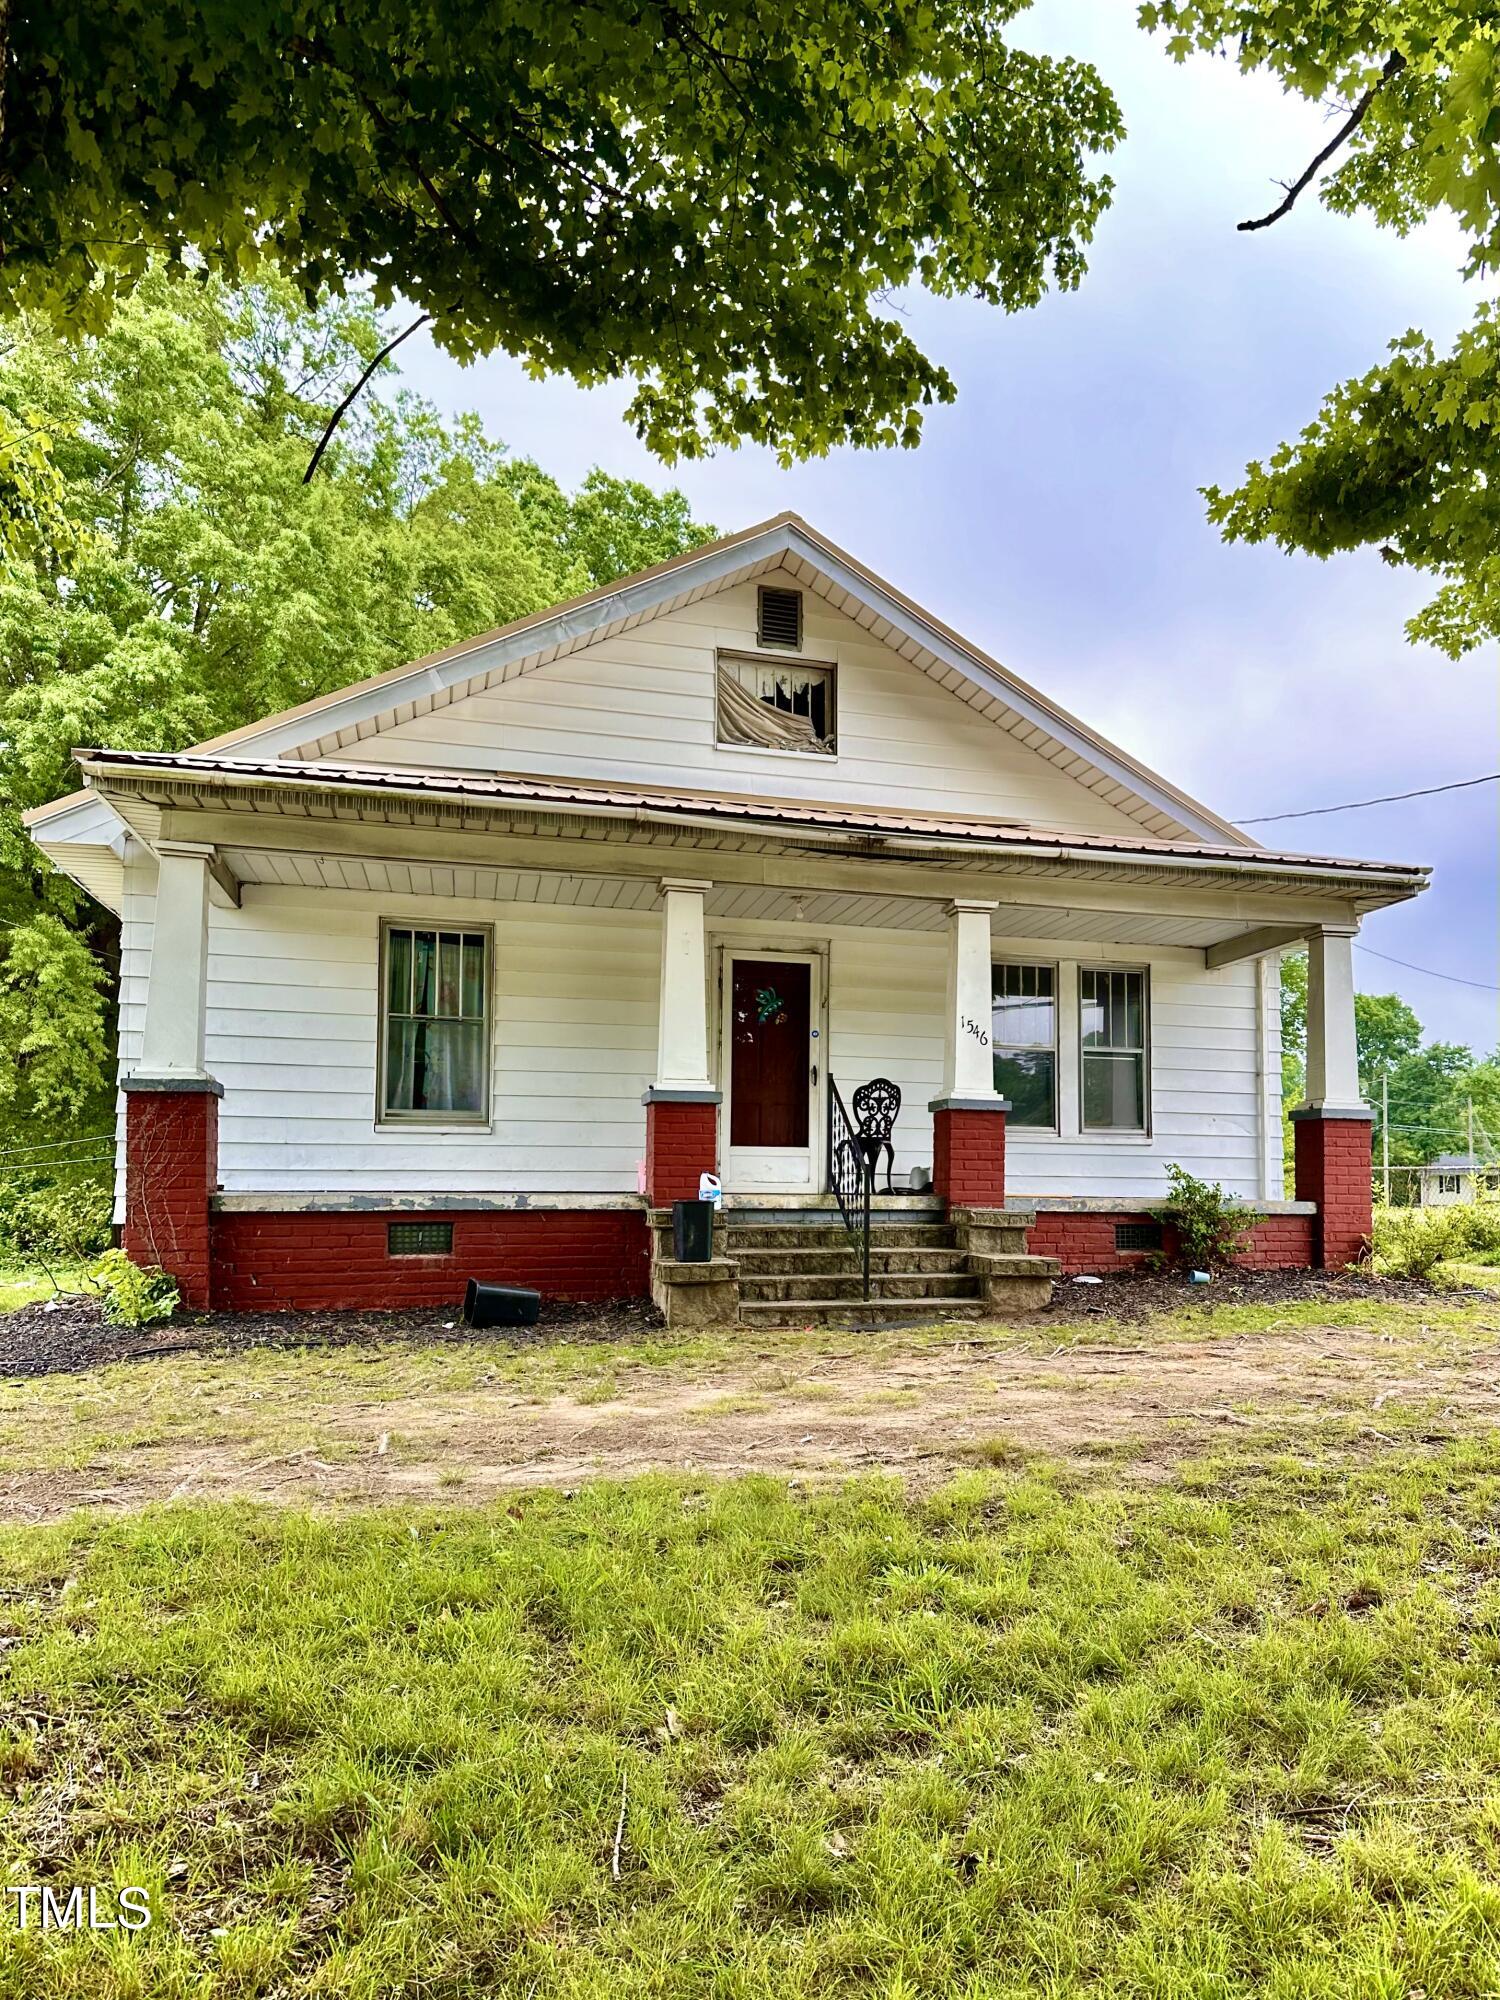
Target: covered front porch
{"type": "Point", "coordinates": [646, 987]}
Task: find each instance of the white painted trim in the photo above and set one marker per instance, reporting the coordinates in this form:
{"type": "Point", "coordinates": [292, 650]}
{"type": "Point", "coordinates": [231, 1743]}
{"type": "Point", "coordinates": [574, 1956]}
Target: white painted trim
{"type": "Point", "coordinates": [1268, 1072]}
{"type": "Point", "coordinates": [1032, 707]}
{"type": "Point", "coordinates": [636, 601]}
{"type": "Point", "coordinates": [820, 759]}
{"type": "Point", "coordinates": [817, 958]}
{"type": "Point", "coordinates": [968, 1065]}
{"type": "Point", "coordinates": [419, 1204]}
{"type": "Point", "coordinates": [1041, 962]}
{"type": "Point", "coordinates": [1125, 1204]}
{"type": "Point", "coordinates": [1364, 880]}
{"type": "Point", "coordinates": [177, 983]}
{"type": "Point", "coordinates": [1332, 1048]}
{"type": "Point", "coordinates": [386, 1120]}
{"type": "Point", "coordinates": [701, 575]}
{"type": "Point", "coordinates": [682, 1047]}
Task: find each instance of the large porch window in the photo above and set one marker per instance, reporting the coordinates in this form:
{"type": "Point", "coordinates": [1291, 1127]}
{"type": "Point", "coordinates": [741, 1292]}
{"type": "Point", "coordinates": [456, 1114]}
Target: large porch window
{"type": "Point", "coordinates": [1112, 1030]}
{"type": "Point", "coordinates": [434, 1030]}
{"type": "Point", "coordinates": [1023, 1037]}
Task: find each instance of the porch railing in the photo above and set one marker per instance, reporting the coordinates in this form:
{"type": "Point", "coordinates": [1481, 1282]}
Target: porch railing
{"type": "Point", "coordinates": [850, 1178]}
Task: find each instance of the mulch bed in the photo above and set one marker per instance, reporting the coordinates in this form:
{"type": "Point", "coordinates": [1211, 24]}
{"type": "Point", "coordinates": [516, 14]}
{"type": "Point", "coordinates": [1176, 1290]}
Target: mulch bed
{"type": "Point", "coordinates": [1142, 1295]}
{"type": "Point", "coordinates": [55, 1337]}
{"type": "Point", "coordinates": [70, 1333]}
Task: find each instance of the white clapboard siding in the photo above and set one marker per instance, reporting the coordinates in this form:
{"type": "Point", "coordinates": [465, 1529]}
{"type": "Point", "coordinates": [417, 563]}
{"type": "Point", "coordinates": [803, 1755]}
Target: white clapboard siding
{"type": "Point", "coordinates": [1206, 1096]}
{"type": "Point", "coordinates": [886, 1019]}
{"type": "Point", "coordinates": [292, 1037]}
{"type": "Point", "coordinates": [292, 1029]}
{"type": "Point", "coordinates": [888, 994]}
{"type": "Point", "coordinates": [641, 708]}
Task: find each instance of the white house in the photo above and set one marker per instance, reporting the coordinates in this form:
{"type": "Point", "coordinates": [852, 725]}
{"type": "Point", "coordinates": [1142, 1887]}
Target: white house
{"type": "Point", "coordinates": [465, 969]}
{"type": "Point", "coordinates": [1450, 1178]}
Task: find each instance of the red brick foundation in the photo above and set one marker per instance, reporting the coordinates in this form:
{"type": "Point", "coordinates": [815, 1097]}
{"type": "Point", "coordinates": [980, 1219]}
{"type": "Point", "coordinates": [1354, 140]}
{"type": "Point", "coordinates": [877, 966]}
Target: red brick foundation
{"type": "Point", "coordinates": [681, 1143]}
{"type": "Point", "coordinates": [339, 1259]}
{"type": "Point", "coordinates": [171, 1169]}
{"type": "Point", "coordinates": [1086, 1242]}
{"type": "Point", "coordinates": [1333, 1169]}
{"type": "Point", "coordinates": [968, 1157]}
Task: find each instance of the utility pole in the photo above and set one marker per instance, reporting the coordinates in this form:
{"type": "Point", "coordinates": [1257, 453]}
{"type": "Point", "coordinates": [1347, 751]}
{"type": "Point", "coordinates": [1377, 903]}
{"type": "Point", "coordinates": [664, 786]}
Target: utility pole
{"type": "Point", "coordinates": [1385, 1134]}
{"type": "Point", "coordinates": [1471, 1130]}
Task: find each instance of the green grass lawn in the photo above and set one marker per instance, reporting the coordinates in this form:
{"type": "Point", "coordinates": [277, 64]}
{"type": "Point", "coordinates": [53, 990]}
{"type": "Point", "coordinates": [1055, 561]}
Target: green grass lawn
{"type": "Point", "coordinates": [1483, 1271]}
{"type": "Point", "coordinates": [22, 1286]}
{"type": "Point", "coordinates": [1239, 1735]}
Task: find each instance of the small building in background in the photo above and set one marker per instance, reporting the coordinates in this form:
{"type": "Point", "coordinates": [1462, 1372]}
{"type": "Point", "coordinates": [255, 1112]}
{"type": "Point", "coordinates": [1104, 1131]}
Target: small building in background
{"type": "Point", "coordinates": [1449, 1178]}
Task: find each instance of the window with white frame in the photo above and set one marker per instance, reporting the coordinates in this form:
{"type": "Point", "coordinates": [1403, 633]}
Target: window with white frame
{"type": "Point", "coordinates": [1449, 1184]}
{"type": "Point", "coordinates": [1112, 1033]}
{"type": "Point", "coordinates": [1023, 1038]}
{"type": "Point", "coordinates": [435, 1025]}
{"type": "Point", "coordinates": [776, 704]}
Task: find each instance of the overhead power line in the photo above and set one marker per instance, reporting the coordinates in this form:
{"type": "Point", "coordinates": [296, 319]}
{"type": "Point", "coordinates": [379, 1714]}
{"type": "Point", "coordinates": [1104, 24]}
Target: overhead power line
{"type": "Point", "coordinates": [1389, 798]}
{"type": "Point", "coordinates": [57, 1145]}
{"type": "Point", "coordinates": [1483, 984]}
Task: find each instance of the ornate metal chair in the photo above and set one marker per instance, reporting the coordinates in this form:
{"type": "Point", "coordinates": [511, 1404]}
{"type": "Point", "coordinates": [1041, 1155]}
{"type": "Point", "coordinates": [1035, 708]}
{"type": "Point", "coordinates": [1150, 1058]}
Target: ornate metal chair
{"type": "Point", "coordinates": [877, 1105]}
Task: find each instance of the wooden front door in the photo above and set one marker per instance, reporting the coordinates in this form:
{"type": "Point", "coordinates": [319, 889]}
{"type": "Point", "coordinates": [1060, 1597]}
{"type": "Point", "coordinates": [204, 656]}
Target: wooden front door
{"type": "Point", "coordinates": [772, 1070]}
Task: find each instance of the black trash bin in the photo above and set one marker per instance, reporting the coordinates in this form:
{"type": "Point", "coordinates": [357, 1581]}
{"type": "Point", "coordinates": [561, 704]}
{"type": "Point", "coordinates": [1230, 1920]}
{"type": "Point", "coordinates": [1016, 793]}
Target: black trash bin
{"type": "Point", "coordinates": [500, 1305]}
{"type": "Point", "coordinates": [692, 1231]}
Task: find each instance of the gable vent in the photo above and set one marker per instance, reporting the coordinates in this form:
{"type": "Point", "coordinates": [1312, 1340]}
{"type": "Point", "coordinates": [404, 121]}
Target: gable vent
{"type": "Point", "coordinates": [780, 617]}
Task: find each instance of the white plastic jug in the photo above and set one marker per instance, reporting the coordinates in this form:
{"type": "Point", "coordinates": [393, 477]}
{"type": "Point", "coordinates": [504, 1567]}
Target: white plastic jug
{"type": "Point", "coordinates": [710, 1188]}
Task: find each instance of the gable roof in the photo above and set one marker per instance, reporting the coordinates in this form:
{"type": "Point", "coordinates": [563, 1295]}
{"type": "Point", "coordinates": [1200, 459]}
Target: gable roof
{"type": "Point", "coordinates": [332, 724]}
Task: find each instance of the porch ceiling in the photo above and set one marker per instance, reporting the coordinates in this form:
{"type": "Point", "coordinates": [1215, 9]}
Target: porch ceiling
{"type": "Point", "coordinates": [726, 902]}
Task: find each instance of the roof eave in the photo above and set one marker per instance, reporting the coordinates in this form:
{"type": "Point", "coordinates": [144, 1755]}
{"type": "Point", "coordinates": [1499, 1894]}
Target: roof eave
{"type": "Point", "coordinates": [1400, 880]}
{"type": "Point", "coordinates": [645, 592]}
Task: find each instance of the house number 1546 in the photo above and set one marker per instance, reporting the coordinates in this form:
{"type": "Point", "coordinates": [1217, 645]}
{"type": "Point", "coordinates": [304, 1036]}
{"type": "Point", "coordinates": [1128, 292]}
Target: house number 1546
{"type": "Point", "coordinates": [981, 1035]}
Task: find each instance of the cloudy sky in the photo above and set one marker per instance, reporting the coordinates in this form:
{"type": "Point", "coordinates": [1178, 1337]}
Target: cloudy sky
{"type": "Point", "coordinates": [1052, 514]}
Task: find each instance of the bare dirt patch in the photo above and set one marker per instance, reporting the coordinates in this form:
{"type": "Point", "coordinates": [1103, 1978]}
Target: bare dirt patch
{"type": "Point", "coordinates": [918, 1406]}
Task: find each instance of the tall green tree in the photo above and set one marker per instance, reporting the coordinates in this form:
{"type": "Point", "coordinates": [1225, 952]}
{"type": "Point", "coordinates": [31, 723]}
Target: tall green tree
{"type": "Point", "coordinates": [714, 203]}
{"type": "Point", "coordinates": [1405, 459]}
{"type": "Point", "coordinates": [1429, 1086]}
{"type": "Point", "coordinates": [201, 584]}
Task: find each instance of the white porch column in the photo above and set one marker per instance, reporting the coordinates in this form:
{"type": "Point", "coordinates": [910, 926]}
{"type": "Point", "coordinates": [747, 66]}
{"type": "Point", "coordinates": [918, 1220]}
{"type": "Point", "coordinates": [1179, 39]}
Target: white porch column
{"type": "Point", "coordinates": [177, 987]}
{"type": "Point", "coordinates": [968, 1062]}
{"type": "Point", "coordinates": [1332, 1054]}
{"type": "Point", "coordinates": [682, 1020]}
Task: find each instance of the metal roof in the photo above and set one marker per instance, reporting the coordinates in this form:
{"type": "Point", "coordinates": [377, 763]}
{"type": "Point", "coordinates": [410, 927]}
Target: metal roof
{"type": "Point", "coordinates": [575, 795]}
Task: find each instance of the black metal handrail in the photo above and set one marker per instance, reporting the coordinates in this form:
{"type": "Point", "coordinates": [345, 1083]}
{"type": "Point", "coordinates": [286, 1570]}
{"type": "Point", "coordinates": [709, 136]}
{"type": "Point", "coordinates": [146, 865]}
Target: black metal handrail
{"type": "Point", "coordinates": [850, 1177]}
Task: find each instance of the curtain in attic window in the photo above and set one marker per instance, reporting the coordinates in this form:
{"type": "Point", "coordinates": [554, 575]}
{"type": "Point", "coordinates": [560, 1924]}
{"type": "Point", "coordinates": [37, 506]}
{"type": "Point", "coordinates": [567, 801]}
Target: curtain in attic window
{"type": "Point", "coordinates": [774, 705]}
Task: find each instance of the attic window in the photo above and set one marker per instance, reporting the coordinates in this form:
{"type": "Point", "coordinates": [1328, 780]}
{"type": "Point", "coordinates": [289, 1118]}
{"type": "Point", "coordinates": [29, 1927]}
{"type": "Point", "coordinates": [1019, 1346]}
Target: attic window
{"type": "Point", "coordinates": [779, 618]}
{"type": "Point", "coordinates": [776, 704]}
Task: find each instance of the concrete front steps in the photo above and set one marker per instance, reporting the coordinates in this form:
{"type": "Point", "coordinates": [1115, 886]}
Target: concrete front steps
{"type": "Point", "coordinates": [800, 1267]}
{"type": "Point", "coordinates": [795, 1264]}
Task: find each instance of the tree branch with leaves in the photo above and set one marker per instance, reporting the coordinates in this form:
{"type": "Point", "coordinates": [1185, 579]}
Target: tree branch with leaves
{"type": "Point", "coordinates": [712, 204]}
{"type": "Point", "coordinates": [1404, 460]}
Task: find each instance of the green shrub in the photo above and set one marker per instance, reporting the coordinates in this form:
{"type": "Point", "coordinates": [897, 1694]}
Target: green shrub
{"type": "Point", "coordinates": [1209, 1223]}
{"type": "Point", "coordinates": [62, 1218]}
{"type": "Point", "coordinates": [133, 1296]}
{"type": "Point", "coordinates": [1412, 1242]}
{"type": "Point", "coordinates": [1476, 1227]}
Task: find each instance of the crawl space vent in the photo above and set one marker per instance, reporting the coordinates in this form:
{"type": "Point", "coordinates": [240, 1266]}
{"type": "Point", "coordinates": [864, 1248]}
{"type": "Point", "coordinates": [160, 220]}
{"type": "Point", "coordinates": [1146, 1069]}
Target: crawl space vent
{"type": "Point", "coordinates": [420, 1239]}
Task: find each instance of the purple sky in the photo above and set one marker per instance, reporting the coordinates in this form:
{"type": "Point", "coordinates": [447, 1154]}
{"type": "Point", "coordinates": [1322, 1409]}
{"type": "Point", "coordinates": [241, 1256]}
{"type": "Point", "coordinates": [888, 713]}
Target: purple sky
{"type": "Point", "coordinates": [1052, 513]}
